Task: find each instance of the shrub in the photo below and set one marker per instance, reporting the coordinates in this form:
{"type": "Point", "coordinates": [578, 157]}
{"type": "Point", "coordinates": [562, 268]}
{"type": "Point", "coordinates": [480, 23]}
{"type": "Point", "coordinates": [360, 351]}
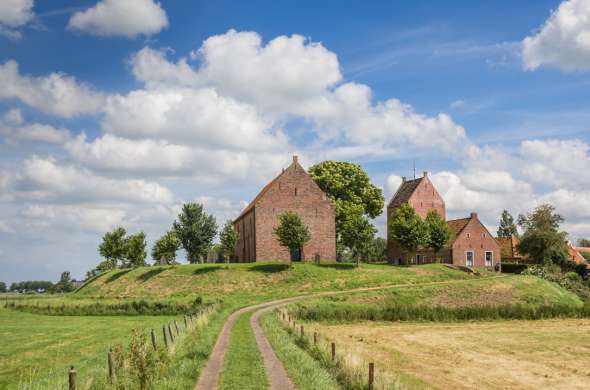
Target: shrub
{"type": "Point", "coordinates": [513, 268]}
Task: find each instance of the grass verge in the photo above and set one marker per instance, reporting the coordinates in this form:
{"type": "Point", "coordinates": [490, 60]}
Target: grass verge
{"type": "Point", "coordinates": [306, 372]}
{"type": "Point", "coordinates": [243, 367]}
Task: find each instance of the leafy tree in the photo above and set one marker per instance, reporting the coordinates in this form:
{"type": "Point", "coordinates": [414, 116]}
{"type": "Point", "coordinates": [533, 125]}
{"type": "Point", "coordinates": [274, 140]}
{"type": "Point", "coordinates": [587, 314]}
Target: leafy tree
{"type": "Point", "coordinates": [349, 187]}
{"type": "Point", "coordinates": [584, 242]}
{"type": "Point", "coordinates": [228, 239]}
{"type": "Point", "coordinates": [408, 230]}
{"type": "Point", "coordinates": [195, 229]}
{"type": "Point", "coordinates": [358, 234]}
{"type": "Point", "coordinates": [113, 247]}
{"type": "Point", "coordinates": [291, 231]}
{"type": "Point", "coordinates": [164, 250]}
{"type": "Point", "coordinates": [507, 226]}
{"type": "Point", "coordinates": [377, 251]}
{"type": "Point", "coordinates": [2, 287]}
{"type": "Point", "coordinates": [31, 285]}
{"type": "Point", "coordinates": [439, 233]}
{"type": "Point", "coordinates": [135, 250]}
{"type": "Point", "coordinates": [542, 241]}
{"type": "Point", "coordinates": [65, 283]}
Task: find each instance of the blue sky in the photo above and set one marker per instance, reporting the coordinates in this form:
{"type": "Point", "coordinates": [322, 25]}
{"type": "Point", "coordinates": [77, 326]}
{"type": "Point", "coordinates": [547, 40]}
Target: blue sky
{"type": "Point", "coordinates": [115, 114]}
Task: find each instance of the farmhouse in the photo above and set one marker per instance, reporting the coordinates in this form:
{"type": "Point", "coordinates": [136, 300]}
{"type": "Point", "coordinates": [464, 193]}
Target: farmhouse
{"type": "Point", "coordinates": [292, 190]}
{"type": "Point", "coordinates": [471, 243]}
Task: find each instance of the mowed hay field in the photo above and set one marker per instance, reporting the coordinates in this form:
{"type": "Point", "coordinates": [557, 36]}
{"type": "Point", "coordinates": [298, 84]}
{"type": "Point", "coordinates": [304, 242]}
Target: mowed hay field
{"type": "Point", "coordinates": [550, 354]}
{"type": "Point", "coordinates": [36, 350]}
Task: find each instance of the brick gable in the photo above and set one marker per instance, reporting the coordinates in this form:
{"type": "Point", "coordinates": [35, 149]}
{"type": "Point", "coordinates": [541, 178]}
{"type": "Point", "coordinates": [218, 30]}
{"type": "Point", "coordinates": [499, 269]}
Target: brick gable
{"type": "Point", "coordinates": [292, 190]}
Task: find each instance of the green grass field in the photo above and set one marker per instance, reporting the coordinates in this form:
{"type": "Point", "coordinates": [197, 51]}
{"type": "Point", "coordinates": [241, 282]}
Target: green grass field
{"type": "Point", "coordinates": [37, 350]}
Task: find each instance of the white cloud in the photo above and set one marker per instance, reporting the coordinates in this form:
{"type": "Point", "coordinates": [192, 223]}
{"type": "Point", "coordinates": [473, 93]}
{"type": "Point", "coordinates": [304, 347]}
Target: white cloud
{"type": "Point", "coordinates": [128, 18]}
{"type": "Point", "coordinates": [563, 41]}
{"type": "Point", "coordinates": [13, 14]}
{"type": "Point", "coordinates": [35, 132]}
{"type": "Point", "coordinates": [556, 163]}
{"type": "Point", "coordinates": [13, 117]}
{"type": "Point", "coordinates": [44, 179]}
{"type": "Point", "coordinates": [55, 94]}
{"type": "Point", "coordinates": [291, 77]}
{"type": "Point", "coordinates": [73, 217]}
{"type": "Point", "coordinates": [190, 116]}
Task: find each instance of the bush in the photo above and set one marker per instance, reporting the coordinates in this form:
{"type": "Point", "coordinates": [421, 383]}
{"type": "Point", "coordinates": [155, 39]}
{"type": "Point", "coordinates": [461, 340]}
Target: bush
{"type": "Point", "coordinates": [513, 268]}
{"type": "Point", "coordinates": [571, 281]}
{"type": "Point", "coordinates": [129, 308]}
{"type": "Point", "coordinates": [351, 313]}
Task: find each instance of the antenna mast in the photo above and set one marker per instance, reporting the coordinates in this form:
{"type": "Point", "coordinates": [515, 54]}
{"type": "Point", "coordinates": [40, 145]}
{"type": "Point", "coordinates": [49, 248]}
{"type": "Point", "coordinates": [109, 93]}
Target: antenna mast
{"type": "Point", "coordinates": [414, 161]}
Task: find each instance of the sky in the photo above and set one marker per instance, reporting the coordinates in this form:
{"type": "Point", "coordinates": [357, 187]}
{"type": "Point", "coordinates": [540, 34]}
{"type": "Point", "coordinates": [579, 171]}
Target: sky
{"type": "Point", "coordinates": [118, 112]}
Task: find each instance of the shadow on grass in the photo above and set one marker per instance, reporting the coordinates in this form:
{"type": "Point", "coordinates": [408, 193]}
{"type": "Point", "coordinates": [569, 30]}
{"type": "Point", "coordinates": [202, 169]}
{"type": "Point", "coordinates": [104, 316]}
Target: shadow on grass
{"type": "Point", "coordinates": [269, 268]}
{"type": "Point", "coordinates": [337, 265]}
{"type": "Point", "coordinates": [150, 274]}
{"type": "Point", "coordinates": [206, 270]}
{"type": "Point", "coordinates": [117, 275]}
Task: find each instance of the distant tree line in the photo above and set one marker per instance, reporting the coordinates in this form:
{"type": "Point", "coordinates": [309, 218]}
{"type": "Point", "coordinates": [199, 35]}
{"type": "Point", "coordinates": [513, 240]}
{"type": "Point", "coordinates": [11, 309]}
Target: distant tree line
{"type": "Point", "coordinates": [64, 284]}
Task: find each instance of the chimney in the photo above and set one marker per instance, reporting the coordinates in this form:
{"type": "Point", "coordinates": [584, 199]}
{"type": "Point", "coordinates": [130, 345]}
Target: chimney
{"type": "Point", "coordinates": [473, 215]}
{"type": "Point", "coordinates": [295, 159]}
{"type": "Point", "coordinates": [403, 179]}
{"type": "Point", "coordinates": [425, 173]}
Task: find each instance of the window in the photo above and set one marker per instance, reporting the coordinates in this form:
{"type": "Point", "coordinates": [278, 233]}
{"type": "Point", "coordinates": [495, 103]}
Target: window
{"type": "Point", "coordinates": [468, 235]}
{"type": "Point", "coordinates": [469, 258]}
{"type": "Point", "coordinates": [489, 258]}
{"type": "Point", "coordinates": [483, 235]}
{"type": "Point", "coordinates": [295, 191]}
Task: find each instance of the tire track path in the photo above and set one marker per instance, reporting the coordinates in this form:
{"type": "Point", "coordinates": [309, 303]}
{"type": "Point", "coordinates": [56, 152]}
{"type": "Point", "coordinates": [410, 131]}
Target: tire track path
{"type": "Point", "coordinates": [275, 371]}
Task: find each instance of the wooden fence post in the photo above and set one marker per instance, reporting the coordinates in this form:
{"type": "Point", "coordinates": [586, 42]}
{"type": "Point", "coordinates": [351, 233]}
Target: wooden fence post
{"type": "Point", "coordinates": [371, 375]}
{"type": "Point", "coordinates": [154, 340]}
{"type": "Point", "coordinates": [333, 350]}
{"type": "Point", "coordinates": [171, 335]}
{"type": "Point", "coordinates": [72, 378]}
{"type": "Point", "coordinates": [315, 338]}
{"type": "Point", "coordinates": [302, 332]}
{"type": "Point", "coordinates": [185, 323]}
{"type": "Point", "coordinates": [165, 336]}
{"type": "Point", "coordinates": [110, 363]}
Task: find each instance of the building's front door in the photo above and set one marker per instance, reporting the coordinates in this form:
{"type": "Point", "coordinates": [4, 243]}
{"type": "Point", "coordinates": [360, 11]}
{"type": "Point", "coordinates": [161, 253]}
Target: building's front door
{"type": "Point", "coordinates": [296, 254]}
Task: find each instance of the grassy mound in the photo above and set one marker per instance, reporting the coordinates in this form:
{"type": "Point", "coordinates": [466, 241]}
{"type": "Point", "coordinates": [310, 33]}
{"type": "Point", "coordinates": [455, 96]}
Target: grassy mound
{"type": "Point", "coordinates": [522, 297]}
{"type": "Point", "coordinates": [257, 281]}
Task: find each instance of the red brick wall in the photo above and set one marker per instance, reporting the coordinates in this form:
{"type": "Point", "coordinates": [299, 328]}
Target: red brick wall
{"type": "Point", "coordinates": [246, 245]}
{"type": "Point", "coordinates": [475, 237]}
{"type": "Point", "coordinates": [294, 191]}
{"type": "Point", "coordinates": [424, 199]}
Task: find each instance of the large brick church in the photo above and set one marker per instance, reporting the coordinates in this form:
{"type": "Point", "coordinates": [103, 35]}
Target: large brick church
{"type": "Point", "coordinates": [471, 243]}
{"type": "Point", "coordinates": [292, 190]}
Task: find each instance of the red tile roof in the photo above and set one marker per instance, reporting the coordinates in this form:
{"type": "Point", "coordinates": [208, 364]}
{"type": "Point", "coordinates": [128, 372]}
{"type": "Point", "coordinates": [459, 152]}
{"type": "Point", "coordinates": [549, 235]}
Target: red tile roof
{"type": "Point", "coordinates": [508, 247]}
{"type": "Point", "coordinates": [456, 226]}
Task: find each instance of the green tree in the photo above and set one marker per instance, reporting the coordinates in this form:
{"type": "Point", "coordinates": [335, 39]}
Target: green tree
{"type": "Point", "coordinates": [408, 230]}
{"type": "Point", "coordinates": [358, 234]}
{"type": "Point", "coordinates": [439, 233]}
{"type": "Point", "coordinates": [135, 250]}
{"type": "Point", "coordinates": [377, 251]}
{"type": "Point", "coordinates": [542, 240]}
{"type": "Point", "coordinates": [507, 226]}
{"type": "Point", "coordinates": [195, 229]}
{"type": "Point", "coordinates": [349, 187]}
{"type": "Point", "coordinates": [584, 242]}
{"type": "Point", "coordinates": [164, 250]}
{"type": "Point", "coordinates": [112, 247]}
{"type": "Point", "coordinates": [228, 239]}
{"type": "Point", "coordinates": [2, 287]}
{"type": "Point", "coordinates": [65, 283]}
{"type": "Point", "coordinates": [291, 231]}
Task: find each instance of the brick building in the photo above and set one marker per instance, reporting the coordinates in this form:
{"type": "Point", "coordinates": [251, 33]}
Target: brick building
{"type": "Point", "coordinates": [292, 190]}
{"type": "Point", "coordinates": [471, 244]}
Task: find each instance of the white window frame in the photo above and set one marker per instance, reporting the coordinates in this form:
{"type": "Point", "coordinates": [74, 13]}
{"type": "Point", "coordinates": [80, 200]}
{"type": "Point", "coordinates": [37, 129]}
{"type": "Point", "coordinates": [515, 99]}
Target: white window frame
{"type": "Point", "coordinates": [491, 264]}
{"type": "Point", "coordinates": [467, 258]}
